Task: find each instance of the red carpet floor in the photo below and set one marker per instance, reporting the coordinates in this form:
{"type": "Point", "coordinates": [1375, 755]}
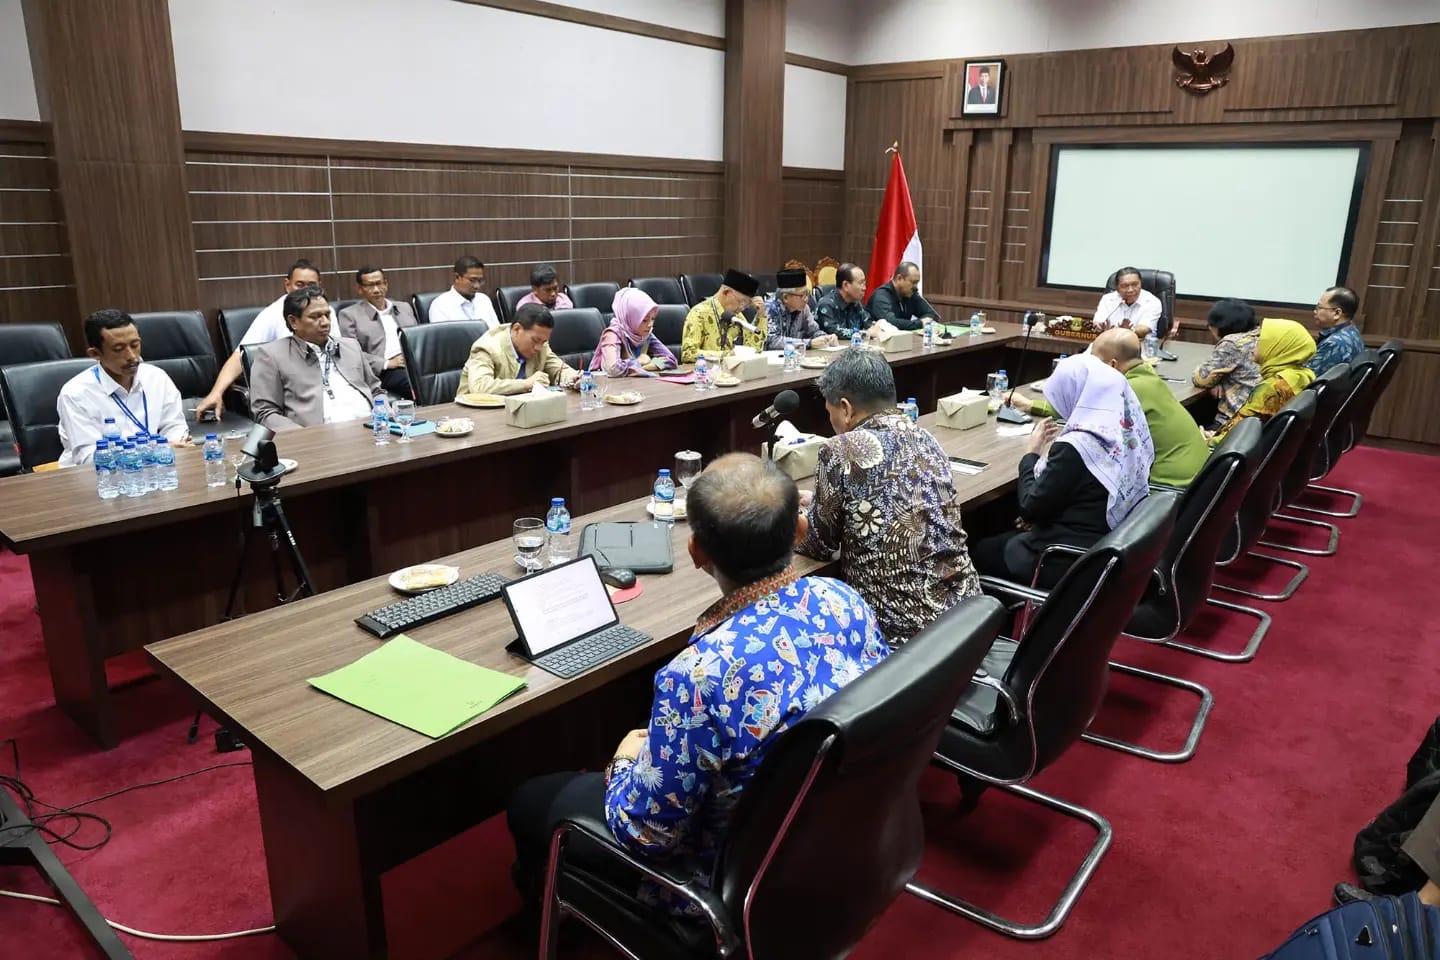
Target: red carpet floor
{"type": "Point", "coordinates": [1218, 857]}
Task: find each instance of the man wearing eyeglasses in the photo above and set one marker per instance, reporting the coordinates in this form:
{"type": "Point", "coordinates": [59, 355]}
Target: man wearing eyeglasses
{"type": "Point", "coordinates": [466, 299]}
{"type": "Point", "coordinates": [376, 321]}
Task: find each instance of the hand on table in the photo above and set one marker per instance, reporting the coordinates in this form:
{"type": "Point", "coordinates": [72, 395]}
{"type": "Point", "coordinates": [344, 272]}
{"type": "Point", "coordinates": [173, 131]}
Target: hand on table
{"type": "Point", "coordinates": [825, 340]}
{"type": "Point", "coordinates": [211, 402]}
{"type": "Point", "coordinates": [538, 379]}
{"type": "Point", "coordinates": [1020, 402]}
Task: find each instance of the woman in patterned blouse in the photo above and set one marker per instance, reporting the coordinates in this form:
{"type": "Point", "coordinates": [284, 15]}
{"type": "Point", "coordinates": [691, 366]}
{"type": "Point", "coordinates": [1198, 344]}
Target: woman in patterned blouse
{"type": "Point", "coordinates": [1230, 372]}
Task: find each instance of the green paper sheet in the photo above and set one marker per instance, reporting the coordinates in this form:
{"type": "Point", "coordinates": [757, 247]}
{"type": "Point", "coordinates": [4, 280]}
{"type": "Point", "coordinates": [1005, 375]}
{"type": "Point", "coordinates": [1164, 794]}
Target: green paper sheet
{"type": "Point", "coordinates": [418, 687]}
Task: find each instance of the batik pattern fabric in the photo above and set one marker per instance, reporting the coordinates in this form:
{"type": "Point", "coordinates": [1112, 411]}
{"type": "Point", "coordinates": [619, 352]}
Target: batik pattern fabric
{"type": "Point", "coordinates": [1231, 366]}
{"type": "Point", "coordinates": [1282, 352]}
{"type": "Point", "coordinates": [1338, 344]}
{"type": "Point", "coordinates": [759, 659]}
{"type": "Point", "coordinates": [885, 498]}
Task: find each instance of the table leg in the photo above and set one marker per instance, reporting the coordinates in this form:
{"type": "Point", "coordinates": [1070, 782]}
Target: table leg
{"type": "Point", "coordinates": [73, 645]}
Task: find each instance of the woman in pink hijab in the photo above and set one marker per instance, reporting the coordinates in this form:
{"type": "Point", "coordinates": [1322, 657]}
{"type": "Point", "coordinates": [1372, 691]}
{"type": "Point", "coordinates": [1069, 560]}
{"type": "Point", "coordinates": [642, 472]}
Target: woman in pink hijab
{"type": "Point", "coordinates": [627, 347]}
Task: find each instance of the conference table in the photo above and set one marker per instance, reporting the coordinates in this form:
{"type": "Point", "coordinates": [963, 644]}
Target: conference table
{"type": "Point", "coordinates": [112, 576]}
{"type": "Point", "coordinates": [345, 795]}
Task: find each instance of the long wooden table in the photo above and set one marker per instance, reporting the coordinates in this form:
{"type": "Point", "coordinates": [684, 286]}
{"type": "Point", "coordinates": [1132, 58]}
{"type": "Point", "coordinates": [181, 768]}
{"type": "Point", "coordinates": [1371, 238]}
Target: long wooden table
{"type": "Point", "coordinates": [340, 790]}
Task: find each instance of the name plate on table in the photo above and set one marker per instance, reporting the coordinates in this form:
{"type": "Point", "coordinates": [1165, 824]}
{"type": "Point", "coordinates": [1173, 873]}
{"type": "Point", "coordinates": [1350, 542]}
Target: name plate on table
{"type": "Point", "coordinates": [963, 410]}
{"type": "Point", "coordinates": [535, 409]}
{"type": "Point", "coordinates": [755, 367]}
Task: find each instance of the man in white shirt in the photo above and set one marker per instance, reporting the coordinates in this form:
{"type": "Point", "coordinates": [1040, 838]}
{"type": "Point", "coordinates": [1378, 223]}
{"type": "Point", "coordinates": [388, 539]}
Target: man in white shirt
{"type": "Point", "coordinates": [375, 322]}
{"type": "Point", "coordinates": [140, 398]}
{"type": "Point", "coordinates": [1129, 306]}
{"type": "Point", "coordinates": [310, 378]}
{"type": "Point", "coordinates": [465, 300]}
{"type": "Point", "coordinates": [269, 324]}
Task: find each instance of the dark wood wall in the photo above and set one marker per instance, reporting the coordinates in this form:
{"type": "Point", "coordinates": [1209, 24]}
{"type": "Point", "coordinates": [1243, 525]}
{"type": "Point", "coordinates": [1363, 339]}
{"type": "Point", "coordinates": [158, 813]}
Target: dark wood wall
{"type": "Point", "coordinates": [37, 284]}
{"type": "Point", "coordinates": [979, 184]}
{"type": "Point", "coordinates": [812, 215]}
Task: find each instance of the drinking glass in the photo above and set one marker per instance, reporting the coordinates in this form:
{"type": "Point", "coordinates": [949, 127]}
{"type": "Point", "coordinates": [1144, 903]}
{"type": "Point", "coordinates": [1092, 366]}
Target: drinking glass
{"type": "Point", "coordinates": [237, 455]}
{"type": "Point", "coordinates": [404, 415]}
{"type": "Point", "coordinates": [992, 386]}
{"type": "Point", "coordinates": [529, 535]}
{"type": "Point", "coordinates": [687, 468]}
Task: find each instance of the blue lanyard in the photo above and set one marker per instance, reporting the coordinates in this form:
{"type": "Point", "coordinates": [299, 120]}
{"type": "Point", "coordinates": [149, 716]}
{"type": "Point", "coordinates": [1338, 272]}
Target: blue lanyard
{"type": "Point", "coordinates": [145, 427]}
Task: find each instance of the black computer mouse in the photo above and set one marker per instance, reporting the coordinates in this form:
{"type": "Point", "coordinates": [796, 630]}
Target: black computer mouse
{"type": "Point", "coordinates": [618, 577]}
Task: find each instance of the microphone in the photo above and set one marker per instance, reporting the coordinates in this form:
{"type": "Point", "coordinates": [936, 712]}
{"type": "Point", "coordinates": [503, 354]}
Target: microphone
{"type": "Point", "coordinates": [786, 403]}
{"type": "Point", "coordinates": [1007, 412]}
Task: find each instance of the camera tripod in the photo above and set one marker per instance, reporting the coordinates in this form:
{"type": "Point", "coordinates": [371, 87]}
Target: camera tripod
{"type": "Point", "coordinates": [268, 514]}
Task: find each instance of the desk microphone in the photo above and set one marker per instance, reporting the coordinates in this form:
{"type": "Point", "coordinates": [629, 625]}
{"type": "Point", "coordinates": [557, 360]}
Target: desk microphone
{"type": "Point", "coordinates": [786, 403]}
{"type": "Point", "coordinates": [1007, 413]}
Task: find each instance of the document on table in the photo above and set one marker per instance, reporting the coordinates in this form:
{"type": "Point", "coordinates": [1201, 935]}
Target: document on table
{"type": "Point", "coordinates": [419, 687]}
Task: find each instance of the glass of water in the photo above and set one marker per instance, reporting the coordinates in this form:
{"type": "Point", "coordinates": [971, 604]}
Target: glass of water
{"type": "Point", "coordinates": [687, 468]}
{"type": "Point", "coordinates": [404, 415]}
{"type": "Point", "coordinates": [237, 454]}
{"type": "Point", "coordinates": [529, 536]}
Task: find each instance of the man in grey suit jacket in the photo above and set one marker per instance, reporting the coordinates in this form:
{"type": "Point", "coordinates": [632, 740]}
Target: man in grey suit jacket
{"type": "Point", "coordinates": [376, 321]}
{"type": "Point", "coordinates": [307, 378]}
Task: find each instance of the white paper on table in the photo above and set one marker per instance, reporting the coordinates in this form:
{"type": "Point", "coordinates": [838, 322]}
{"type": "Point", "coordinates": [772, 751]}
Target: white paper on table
{"type": "Point", "coordinates": [1015, 429]}
{"type": "Point", "coordinates": [539, 388]}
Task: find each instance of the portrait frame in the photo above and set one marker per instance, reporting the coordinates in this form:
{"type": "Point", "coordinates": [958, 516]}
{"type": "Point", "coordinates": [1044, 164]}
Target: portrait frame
{"type": "Point", "coordinates": [982, 99]}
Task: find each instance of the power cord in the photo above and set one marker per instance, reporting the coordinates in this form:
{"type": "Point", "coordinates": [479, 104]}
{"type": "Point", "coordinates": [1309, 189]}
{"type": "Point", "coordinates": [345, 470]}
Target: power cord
{"type": "Point", "coordinates": [183, 937]}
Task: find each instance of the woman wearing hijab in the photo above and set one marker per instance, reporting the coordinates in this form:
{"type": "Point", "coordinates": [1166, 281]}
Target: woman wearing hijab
{"type": "Point", "coordinates": [1079, 480]}
{"type": "Point", "coordinates": [628, 347]}
{"type": "Point", "coordinates": [1281, 352]}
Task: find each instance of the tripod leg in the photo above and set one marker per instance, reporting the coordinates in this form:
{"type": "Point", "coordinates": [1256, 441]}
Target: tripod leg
{"type": "Point", "coordinates": [303, 585]}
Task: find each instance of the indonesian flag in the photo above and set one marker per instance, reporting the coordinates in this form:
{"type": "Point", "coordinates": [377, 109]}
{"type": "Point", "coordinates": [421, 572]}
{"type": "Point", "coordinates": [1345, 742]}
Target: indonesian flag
{"type": "Point", "coordinates": [896, 237]}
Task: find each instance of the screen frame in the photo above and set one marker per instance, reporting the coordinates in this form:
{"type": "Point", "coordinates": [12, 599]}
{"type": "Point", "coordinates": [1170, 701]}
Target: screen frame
{"type": "Point", "coordinates": [1347, 244]}
{"type": "Point", "coordinates": [515, 619]}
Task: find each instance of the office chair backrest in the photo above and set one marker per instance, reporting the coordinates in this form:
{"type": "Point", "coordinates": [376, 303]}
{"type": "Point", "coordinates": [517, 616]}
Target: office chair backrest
{"type": "Point", "coordinates": [661, 289]}
{"type": "Point", "coordinates": [178, 342]}
{"type": "Point", "coordinates": [30, 391]}
{"type": "Point", "coordinates": [1159, 282]}
{"type": "Point", "coordinates": [601, 296]}
{"type": "Point", "coordinates": [1364, 370]}
{"type": "Point", "coordinates": [819, 293]}
{"type": "Point", "coordinates": [1330, 389]}
{"type": "Point", "coordinates": [30, 343]}
{"type": "Point", "coordinates": [699, 286]}
{"type": "Point", "coordinates": [670, 325]}
{"type": "Point", "coordinates": [769, 283]}
{"type": "Point", "coordinates": [1061, 666]}
{"type": "Point", "coordinates": [234, 324]}
{"type": "Point", "coordinates": [420, 303]}
{"type": "Point", "coordinates": [337, 305]}
{"type": "Point", "coordinates": [1280, 440]}
{"type": "Point", "coordinates": [506, 298]}
{"type": "Point", "coordinates": [859, 753]}
{"type": "Point", "coordinates": [577, 334]}
{"type": "Point", "coordinates": [435, 353]}
{"type": "Point", "coordinates": [1391, 353]}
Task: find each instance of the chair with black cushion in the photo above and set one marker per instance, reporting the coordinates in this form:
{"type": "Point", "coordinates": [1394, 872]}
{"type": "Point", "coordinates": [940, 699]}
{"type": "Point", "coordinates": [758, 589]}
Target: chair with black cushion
{"type": "Point", "coordinates": [178, 342]}
{"type": "Point", "coordinates": [768, 283]}
{"type": "Point", "coordinates": [662, 290]}
{"type": "Point", "coordinates": [700, 286]}
{"type": "Point", "coordinates": [670, 325]}
{"type": "Point", "coordinates": [1391, 353]}
{"type": "Point", "coordinates": [234, 324]}
{"type": "Point", "coordinates": [30, 392]}
{"type": "Point", "coordinates": [862, 749]}
{"type": "Point", "coordinates": [25, 343]}
{"type": "Point", "coordinates": [577, 334]}
{"type": "Point", "coordinates": [1280, 442]}
{"type": "Point", "coordinates": [1033, 697]}
{"type": "Point", "coordinates": [1330, 389]}
{"type": "Point", "coordinates": [819, 293]}
{"type": "Point", "coordinates": [337, 305]}
{"type": "Point", "coordinates": [420, 303]}
{"type": "Point", "coordinates": [1162, 284]}
{"type": "Point", "coordinates": [506, 299]}
{"type": "Point", "coordinates": [601, 296]}
{"type": "Point", "coordinates": [435, 353]}
{"type": "Point", "coordinates": [1364, 384]}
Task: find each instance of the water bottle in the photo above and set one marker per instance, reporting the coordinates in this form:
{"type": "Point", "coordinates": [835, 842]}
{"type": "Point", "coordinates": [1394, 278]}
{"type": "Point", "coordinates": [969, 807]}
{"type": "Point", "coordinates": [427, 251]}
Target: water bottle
{"type": "Point", "coordinates": [857, 339]}
{"type": "Point", "coordinates": [587, 391]}
{"type": "Point", "coordinates": [132, 474]}
{"type": "Point", "coordinates": [663, 503]}
{"type": "Point", "coordinates": [929, 337]}
{"type": "Point", "coordinates": [166, 476]}
{"type": "Point", "coordinates": [975, 324]}
{"type": "Point", "coordinates": [147, 461]}
{"type": "Point", "coordinates": [380, 423]}
{"type": "Point", "coordinates": [557, 524]}
{"type": "Point", "coordinates": [107, 481]}
{"type": "Point", "coordinates": [702, 374]}
{"type": "Point", "coordinates": [214, 454]}
{"type": "Point", "coordinates": [111, 433]}
{"type": "Point", "coordinates": [1152, 346]}
{"type": "Point", "coordinates": [912, 409]}
{"type": "Point", "coordinates": [1004, 382]}
{"type": "Point", "coordinates": [791, 363]}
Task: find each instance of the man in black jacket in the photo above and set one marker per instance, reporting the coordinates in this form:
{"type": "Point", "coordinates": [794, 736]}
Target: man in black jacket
{"type": "Point", "coordinates": [899, 301]}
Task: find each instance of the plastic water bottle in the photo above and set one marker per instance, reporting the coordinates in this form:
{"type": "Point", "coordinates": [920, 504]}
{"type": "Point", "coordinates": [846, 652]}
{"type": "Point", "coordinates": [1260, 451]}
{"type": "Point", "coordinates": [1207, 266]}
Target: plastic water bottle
{"type": "Point", "coordinates": [663, 503]}
{"type": "Point", "coordinates": [166, 475]}
{"type": "Point", "coordinates": [1004, 382]}
{"type": "Point", "coordinates": [380, 423]}
{"type": "Point", "coordinates": [147, 462]}
{"type": "Point", "coordinates": [1152, 346]}
{"type": "Point", "coordinates": [702, 374]}
{"type": "Point", "coordinates": [912, 409]}
{"type": "Point", "coordinates": [132, 474]}
{"type": "Point", "coordinates": [975, 324]}
{"type": "Point", "coordinates": [107, 480]}
{"type": "Point", "coordinates": [112, 434]}
{"type": "Point", "coordinates": [557, 524]}
{"type": "Point", "coordinates": [214, 455]}
{"type": "Point", "coordinates": [929, 336]}
{"type": "Point", "coordinates": [857, 339]}
{"type": "Point", "coordinates": [587, 391]}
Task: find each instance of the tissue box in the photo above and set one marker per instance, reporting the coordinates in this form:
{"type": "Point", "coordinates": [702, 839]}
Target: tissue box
{"type": "Point", "coordinates": [898, 342]}
{"type": "Point", "coordinates": [747, 368]}
{"type": "Point", "coordinates": [797, 460]}
{"type": "Point", "coordinates": [535, 409]}
{"type": "Point", "coordinates": [962, 411]}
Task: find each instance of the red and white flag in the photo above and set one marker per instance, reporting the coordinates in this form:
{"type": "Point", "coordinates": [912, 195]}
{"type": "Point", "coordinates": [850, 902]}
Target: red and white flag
{"type": "Point", "coordinates": [896, 236]}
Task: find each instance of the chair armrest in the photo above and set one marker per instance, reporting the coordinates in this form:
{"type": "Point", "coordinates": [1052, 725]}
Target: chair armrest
{"type": "Point", "coordinates": [1011, 588]}
{"type": "Point", "coordinates": [1166, 488]}
{"type": "Point", "coordinates": [1045, 555]}
{"type": "Point", "coordinates": [986, 680]}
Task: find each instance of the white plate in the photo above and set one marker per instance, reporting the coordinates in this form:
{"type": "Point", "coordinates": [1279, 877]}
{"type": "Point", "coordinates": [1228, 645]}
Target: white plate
{"type": "Point", "coordinates": [289, 465]}
{"type": "Point", "coordinates": [987, 329]}
{"type": "Point", "coordinates": [679, 510]}
{"type": "Point", "coordinates": [454, 433]}
{"type": "Point", "coordinates": [397, 579]}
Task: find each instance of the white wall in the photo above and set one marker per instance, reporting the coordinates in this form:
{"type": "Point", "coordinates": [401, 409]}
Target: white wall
{"type": "Point", "coordinates": [821, 28]}
{"type": "Point", "coordinates": [482, 77]}
{"type": "Point", "coordinates": [814, 119]}
{"type": "Point", "coordinates": [939, 29]}
{"type": "Point", "coordinates": [700, 16]}
{"type": "Point", "coordinates": [17, 84]}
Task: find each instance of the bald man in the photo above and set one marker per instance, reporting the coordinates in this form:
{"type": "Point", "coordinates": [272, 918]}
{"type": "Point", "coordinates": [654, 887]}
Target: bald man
{"type": "Point", "coordinates": [1180, 447]}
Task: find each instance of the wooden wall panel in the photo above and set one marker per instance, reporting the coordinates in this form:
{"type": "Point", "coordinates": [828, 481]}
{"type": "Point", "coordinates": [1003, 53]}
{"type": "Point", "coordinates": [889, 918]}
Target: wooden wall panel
{"type": "Point", "coordinates": [812, 217]}
{"type": "Point", "coordinates": [37, 283]}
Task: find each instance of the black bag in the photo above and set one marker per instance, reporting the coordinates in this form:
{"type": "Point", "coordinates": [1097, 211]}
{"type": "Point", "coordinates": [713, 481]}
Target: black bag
{"type": "Point", "coordinates": [1382, 866]}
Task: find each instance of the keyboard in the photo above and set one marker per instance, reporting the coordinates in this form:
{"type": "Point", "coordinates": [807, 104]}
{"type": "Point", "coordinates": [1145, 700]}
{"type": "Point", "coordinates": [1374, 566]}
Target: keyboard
{"type": "Point", "coordinates": [575, 658]}
{"type": "Point", "coordinates": [411, 612]}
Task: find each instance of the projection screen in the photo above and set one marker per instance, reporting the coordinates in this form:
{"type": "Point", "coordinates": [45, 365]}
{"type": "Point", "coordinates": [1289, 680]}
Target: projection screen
{"type": "Point", "coordinates": [1269, 223]}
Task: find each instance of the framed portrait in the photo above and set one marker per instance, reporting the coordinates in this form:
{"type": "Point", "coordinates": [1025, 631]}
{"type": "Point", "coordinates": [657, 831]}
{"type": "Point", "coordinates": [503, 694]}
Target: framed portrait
{"type": "Point", "coordinates": [984, 84]}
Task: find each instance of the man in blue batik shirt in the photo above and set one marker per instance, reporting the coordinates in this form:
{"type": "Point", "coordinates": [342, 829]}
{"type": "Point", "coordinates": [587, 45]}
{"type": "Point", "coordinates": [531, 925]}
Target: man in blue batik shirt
{"type": "Point", "coordinates": [1339, 340]}
{"type": "Point", "coordinates": [771, 648]}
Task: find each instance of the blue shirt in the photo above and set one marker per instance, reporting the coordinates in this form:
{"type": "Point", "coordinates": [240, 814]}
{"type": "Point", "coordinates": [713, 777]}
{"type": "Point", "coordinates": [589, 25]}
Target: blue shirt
{"type": "Point", "coordinates": [1339, 344]}
{"type": "Point", "coordinates": [758, 660]}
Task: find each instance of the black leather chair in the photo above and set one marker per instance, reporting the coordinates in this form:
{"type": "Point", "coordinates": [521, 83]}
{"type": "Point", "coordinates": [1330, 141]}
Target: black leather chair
{"type": "Point", "coordinates": [420, 303]}
{"type": "Point", "coordinates": [234, 323]}
{"type": "Point", "coordinates": [819, 292]}
{"type": "Point", "coordinates": [700, 286]}
{"type": "Point", "coordinates": [1330, 389]}
{"type": "Point", "coordinates": [505, 300]}
{"type": "Point", "coordinates": [178, 342]}
{"type": "Point", "coordinates": [435, 353]}
{"type": "Point", "coordinates": [1391, 353]}
{"type": "Point", "coordinates": [601, 296]}
{"type": "Point", "coordinates": [670, 325]}
{"type": "Point", "coordinates": [1162, 284]}
{"type": "Point", "coordinates": [337, 305]}
{"type": "Point", "coordinates": [1033, 698]}
{"type": "Point", "coordinates": [577, 334]}
{"type": "Point", "coordinates": [25, 343]}
{"type": "Point", "coordinates": [1364, 384]}
{"type": "Point", "coordinates": [30, 391]}
{"type": "Point", "coordinates": [862, 749]}
{"type": "Point", "coordinates": [662, 290]}
{"type": "Point", "coordinates": [1280, 442]}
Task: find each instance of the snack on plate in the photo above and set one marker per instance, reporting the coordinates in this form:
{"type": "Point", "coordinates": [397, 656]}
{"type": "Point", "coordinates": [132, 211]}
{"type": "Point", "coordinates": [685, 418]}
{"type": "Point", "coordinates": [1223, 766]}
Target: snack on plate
{"type": "Point", "coordinates": [425, 576]}
{"type": "Point", "coordinates": [454, 426]}
{"type": "Point", "coordinates": [480, 400]}
{"type": "Point", "coordinates": [727, 380]}
{"type": "Point", "coordinates": [625, 397]}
